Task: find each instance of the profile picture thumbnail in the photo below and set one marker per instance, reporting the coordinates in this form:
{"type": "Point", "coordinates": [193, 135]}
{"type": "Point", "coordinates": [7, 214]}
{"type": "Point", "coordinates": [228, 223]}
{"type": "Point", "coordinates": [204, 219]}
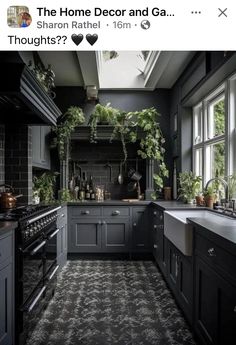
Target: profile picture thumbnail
{"type": "Point", "coordinates": [18, 17]}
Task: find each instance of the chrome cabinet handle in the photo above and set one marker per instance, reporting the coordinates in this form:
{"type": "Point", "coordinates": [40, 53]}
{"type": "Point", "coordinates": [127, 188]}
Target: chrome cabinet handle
{"type": "Point", "coordinates": [161, 217]}
{"type": "Point", "coordinates": [155, 227]}
{"type": "Point", "coordinates": [85, 212]}
{"type": "Point", "coordinates": [155, 213]}
{"type": "Point", "coordinates": [36, 299]}
{"type": "Point", "coordinates": [134, 224]}
{"type": "Point", "coordinates": [116, 213]}
{"type": "Point", "coordinates": [62, 215]}
{"type": "Point", "coordinates": [34, 251]}
{"type": "Point", "coordinates": [99, 222]}
{"type": "Point", "coordinates": [103, 222]}
{"type": "Point", "coordinates": [53, 234]}
{"type": "Point", "coordinates": [211, 252]}
{"type": "Point", "coordinates": [53, 272]}
{"type": "Point", "coordinates": [155, 246]}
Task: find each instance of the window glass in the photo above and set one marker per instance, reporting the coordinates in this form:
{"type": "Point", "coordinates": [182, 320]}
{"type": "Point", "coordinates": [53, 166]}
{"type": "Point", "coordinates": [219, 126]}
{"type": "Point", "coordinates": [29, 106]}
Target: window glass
{"type": "Point", "coordinates": [215, 160]}
{"type": "Point", "coordinates": [216, 118]}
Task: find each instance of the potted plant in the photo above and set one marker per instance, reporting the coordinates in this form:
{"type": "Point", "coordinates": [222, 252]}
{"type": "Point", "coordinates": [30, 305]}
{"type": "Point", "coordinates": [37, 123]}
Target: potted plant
{"type": "Point", "coordinates": [72, 118]}
{"type": "Point", "coordinates": [189, 186]}
{"type": "Point", "coordinates": [101, 115]}
{"type": "Point", "coordinates": [44, 186]}
{"type": "Point", "coordinates": [209, 196]}
{"type": "Point", "coordinates": [64, 195]}
{"type": "Point", "coordinates": [199, 199]}
{"type": "Point", "coordinates": [231, 186]}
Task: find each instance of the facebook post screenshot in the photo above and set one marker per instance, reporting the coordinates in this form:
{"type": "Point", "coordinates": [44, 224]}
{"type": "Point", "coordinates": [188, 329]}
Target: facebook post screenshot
{"type": "Point", "coordinates": [118, 172]}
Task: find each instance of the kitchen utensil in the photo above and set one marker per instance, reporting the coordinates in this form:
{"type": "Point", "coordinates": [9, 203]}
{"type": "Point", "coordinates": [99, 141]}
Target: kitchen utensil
{"type": "Point", "coordinates": [7, 199]}
{"type": "Point", "coordinates": [134, 175]}
{"type": "Point", "coordinates": [120, 177]}
{"type": "Point", "coordinates": [110, 167]}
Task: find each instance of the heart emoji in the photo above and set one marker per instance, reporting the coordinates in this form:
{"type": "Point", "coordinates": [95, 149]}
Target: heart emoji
{"type": "Point", "coordinates": [77, 39]}
{"type": "Point", "coordinates": [92, 38]}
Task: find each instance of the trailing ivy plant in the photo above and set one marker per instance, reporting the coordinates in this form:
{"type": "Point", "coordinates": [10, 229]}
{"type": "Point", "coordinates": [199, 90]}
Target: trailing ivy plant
{"type": "Point", "coordinates": [151, 145]}
{"type": "Point", "coordinates": [103, 115]}
{"type": "Point", "coordinates": [73, 117]}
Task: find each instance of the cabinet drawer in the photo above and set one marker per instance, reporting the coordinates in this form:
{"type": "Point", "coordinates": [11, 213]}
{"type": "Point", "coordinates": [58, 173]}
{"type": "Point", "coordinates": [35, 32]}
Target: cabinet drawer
{"type": "Point", "coordinates": [116, 211]}
{"type": "Point", "coordinates": [5, 248]}
{"type": "Point", "coordinates": [83, 211]}
{"type": "Point", "coordinates": [216, 256]}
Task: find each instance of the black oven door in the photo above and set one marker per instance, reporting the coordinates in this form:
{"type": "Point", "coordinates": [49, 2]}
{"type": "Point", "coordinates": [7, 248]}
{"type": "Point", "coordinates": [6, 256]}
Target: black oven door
{"type": "Point", "coordinates": [51, 248]}
{"type": "Point", "coordinates": [30, 313]}
{"type": "Point", "coordinates": [31, 268]}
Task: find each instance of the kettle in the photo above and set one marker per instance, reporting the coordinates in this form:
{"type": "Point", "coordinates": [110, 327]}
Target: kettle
{"type": "Point", "coordinates": [7, 199]}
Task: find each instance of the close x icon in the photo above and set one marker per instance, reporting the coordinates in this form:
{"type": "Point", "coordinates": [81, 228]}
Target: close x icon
{"type": "Point", "coordinates": [222, 12]}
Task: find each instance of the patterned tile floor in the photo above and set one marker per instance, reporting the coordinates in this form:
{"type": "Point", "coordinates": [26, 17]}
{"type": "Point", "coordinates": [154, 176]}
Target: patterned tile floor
{"type": "Point", "coordinates": [111, 303]}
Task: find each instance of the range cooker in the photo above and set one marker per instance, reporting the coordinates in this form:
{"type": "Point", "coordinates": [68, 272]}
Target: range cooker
{"type": "Point", "coordinates": [35, 263]}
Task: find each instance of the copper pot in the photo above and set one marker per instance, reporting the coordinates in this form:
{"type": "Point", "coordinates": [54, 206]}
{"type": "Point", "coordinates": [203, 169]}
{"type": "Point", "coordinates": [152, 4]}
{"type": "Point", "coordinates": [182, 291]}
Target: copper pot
{"type": "Point", "coordinates": [7, 199]}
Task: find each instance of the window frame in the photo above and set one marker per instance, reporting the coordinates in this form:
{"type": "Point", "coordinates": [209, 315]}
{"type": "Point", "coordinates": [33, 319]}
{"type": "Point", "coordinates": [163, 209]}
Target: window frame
{"type": "Point", "coordinates": [205, 142]}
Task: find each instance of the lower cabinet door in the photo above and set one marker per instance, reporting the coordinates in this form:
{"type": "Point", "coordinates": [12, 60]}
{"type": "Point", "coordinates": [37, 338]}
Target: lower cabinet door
{"type": "Point", "coordinates": [6, 295]}
{"type": "Point", "coordinates": [85, 236]}
{"type": "Point", "coordinates": [215, 318]}
{"type": "Point", "coordinates": [115, 235]}
{"type": "Point", "coordinates": [205, 302]}
{"type": "Point", "coordinates": [140, 230]}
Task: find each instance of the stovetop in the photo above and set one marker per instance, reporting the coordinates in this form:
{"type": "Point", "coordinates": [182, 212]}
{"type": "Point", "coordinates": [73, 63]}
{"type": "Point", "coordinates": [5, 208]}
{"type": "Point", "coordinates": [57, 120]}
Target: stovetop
{"type": "Point", "coordinates": [21, 212]}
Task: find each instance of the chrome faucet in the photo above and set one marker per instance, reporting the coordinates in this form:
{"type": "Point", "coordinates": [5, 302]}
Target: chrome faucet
{"type": "Point", "coordinates": [224, 183]}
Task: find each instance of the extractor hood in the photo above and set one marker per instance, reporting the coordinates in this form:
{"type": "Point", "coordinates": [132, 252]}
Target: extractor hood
{"type": "Point", "coordinates": [23, 99]}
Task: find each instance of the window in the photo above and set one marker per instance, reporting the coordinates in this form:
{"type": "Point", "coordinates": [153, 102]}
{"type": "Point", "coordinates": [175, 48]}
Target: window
{"type": "Point", "coordinates": [210, 137]}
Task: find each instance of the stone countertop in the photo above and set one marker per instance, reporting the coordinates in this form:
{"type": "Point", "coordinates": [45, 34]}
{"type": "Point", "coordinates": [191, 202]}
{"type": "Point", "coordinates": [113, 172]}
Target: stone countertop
{"type": "Point", "coordinates": [176, 205]}
{"type": "Point", "coordinates": [226, 232]}
{"type": "Point", "coordinates": [7, 226]}
{"type": "Point", "coordinates": [108, 203]}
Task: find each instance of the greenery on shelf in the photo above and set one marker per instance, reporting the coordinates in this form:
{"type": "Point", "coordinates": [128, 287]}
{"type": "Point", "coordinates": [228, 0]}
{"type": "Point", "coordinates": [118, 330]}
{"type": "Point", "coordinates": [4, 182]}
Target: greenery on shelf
{"type": "Point", "coordinates": [126, 126]}
{"type": "Point", "coordinates": [44, 185]}
{"type": "Point", "coordinates": [101, 115]}
{"type": "Point", "coordinates": [72, 118]}
{"type": "Point", "coordinates": [64, 195]}
{"type": "Point", "coordinates": [189, 185]}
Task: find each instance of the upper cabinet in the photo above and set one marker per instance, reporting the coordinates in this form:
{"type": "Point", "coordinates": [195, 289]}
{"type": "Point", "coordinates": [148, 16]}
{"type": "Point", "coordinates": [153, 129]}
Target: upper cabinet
{"type": "Point", "coordinates": [41, 147]}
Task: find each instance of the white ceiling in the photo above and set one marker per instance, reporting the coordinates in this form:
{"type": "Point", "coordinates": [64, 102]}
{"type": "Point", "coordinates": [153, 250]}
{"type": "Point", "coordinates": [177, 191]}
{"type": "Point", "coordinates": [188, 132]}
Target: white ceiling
{"type": "Point", "coordinates": [81, 68]}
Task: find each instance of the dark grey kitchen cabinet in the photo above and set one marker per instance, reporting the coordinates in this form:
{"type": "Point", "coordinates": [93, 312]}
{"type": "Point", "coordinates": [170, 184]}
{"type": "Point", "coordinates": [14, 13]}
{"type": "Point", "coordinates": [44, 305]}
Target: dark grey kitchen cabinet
{"type": "Point", "coordinates": [6, 289]}
{"type": "Point", "coordinates": [215, 293]}
{"type": "Point", "coordinates": [104, 229]}
{"type": "Point", "coordinates": [41, 147]}
{"type": "Point", "coordinates": [140, 238]}
{"type": "Point", "coordinates": [159, 242]}
{"type": "Point", "coordinates": [85, 236]}
{"type": "Point", "coordinates": [180, 278]}
{"type": "Point", "coordinates": [115, 235]}
{"type": "Point", "coordinates": [62, 241]}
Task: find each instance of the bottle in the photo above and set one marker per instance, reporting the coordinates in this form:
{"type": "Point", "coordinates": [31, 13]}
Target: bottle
{"type": "Point", "coordinates": [87, 190]}
{"type": "Point", "coordinates": [82, 189]}
{"type": "Point", "coordinates": [91, 189]}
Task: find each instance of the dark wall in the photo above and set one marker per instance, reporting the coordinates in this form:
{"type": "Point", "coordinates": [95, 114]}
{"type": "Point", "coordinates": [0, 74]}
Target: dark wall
{"type": "Point", "coordinates": [2, 154]}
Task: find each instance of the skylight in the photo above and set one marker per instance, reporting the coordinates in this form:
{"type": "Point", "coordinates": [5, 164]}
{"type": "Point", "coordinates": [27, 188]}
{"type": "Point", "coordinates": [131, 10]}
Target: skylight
{"type": "Point", "coordinates": [122, 69]}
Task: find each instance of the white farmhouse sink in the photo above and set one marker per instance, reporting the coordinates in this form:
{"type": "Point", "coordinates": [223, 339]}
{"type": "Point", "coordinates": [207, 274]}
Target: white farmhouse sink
{"type": "Point", "coordinates": [180, 233]}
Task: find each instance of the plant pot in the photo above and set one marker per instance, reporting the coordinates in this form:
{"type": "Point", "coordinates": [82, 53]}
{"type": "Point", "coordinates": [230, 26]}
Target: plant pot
{"type": "Point", "coordinates": [209, 200]}
{"type": "Point", "coordinates": [200, 200]}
